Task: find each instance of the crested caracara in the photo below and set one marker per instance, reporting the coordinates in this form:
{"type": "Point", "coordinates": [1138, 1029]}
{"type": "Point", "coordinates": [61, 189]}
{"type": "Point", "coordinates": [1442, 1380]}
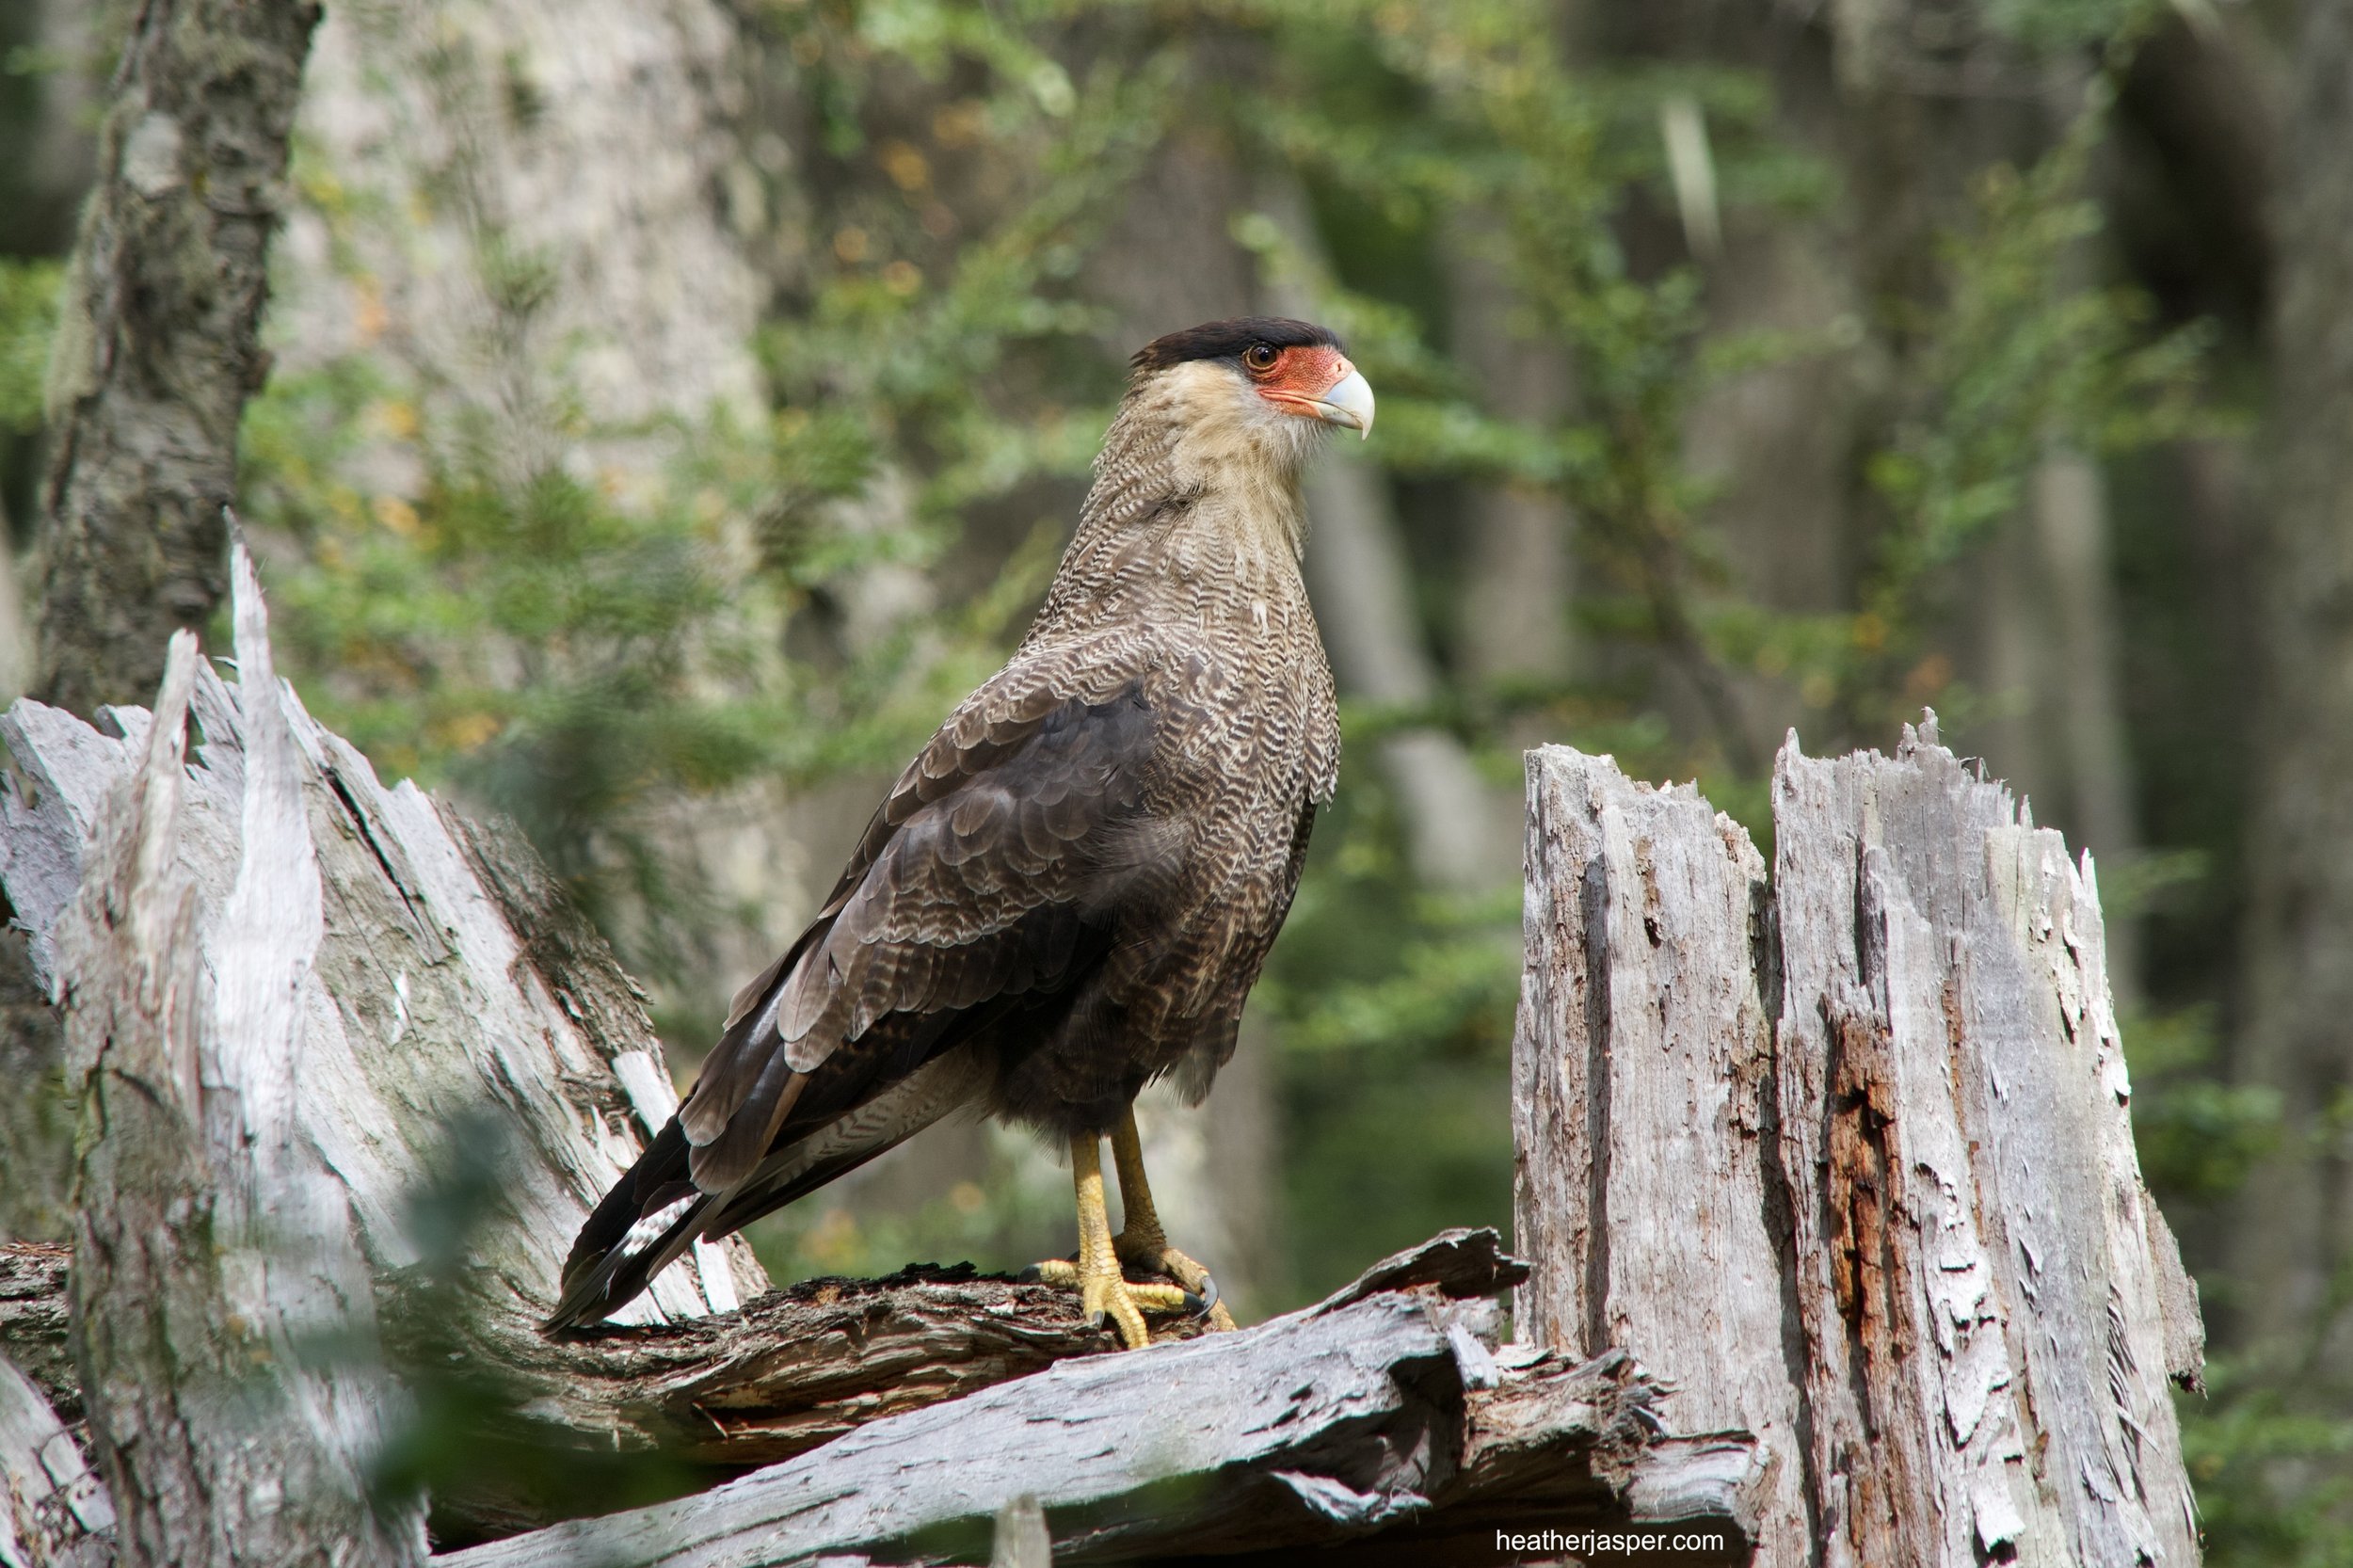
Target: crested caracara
{"type": "Point", "coordinates": [1070, 890]}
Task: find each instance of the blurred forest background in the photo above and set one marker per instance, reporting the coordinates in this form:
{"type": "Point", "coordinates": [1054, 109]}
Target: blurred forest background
{"type": "Point", "coordinates": [673, 406]}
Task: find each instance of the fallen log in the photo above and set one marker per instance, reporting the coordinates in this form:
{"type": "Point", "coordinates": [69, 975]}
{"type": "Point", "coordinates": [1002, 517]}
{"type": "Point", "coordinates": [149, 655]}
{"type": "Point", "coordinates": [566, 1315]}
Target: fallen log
{"type": "Point", "coordinates": [1496, 1438]}
{"type": "Point", "coordinates": [1385, 1418]}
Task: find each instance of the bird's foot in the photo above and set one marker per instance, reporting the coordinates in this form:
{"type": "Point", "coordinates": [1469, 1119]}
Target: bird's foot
{"type": "Point", "coordinates": [1107, 1295]}
{"type": "Point", "coordinates": [1149, 1250]}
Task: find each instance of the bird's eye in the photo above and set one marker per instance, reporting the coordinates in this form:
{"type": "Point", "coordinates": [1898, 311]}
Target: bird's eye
{"type": "Point", "coordinates": [1259, 356]}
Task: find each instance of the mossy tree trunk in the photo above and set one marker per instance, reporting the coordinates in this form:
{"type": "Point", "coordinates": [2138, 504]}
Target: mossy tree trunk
{"type": "Point", "coordinates": [159, 347]}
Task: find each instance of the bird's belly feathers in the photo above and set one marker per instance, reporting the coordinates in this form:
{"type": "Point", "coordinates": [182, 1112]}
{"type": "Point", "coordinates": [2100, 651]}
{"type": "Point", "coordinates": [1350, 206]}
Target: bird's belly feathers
{"type": "Point", "coordinates": [1244, 750]}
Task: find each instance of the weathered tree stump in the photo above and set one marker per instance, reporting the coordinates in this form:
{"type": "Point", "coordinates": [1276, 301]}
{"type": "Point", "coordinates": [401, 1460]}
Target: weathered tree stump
{"type": "Point", "coordinates": [1846, 1159]}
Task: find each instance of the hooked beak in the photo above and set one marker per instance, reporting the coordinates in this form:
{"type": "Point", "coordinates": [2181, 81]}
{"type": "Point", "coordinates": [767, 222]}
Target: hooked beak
{"type": "Point", "coordinates": [1346, 401]}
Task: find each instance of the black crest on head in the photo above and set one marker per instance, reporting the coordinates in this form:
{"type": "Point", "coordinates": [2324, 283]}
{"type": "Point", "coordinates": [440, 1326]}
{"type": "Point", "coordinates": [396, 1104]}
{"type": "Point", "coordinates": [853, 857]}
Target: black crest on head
{"type": "Point", "coordinates": [1228, 339]}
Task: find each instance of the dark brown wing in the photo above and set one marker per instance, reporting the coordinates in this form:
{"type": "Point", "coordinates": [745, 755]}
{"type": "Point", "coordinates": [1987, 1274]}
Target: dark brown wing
{"type": "Point", "coordinates": [998, 864]}
{"type": "Point", "coordinates": [991, 883]}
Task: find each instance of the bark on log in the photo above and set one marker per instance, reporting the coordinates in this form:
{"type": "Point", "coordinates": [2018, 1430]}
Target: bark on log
{"type": "Point", "coordinates": [1901, 1233]}
{"type": "Point", "coordinates": [158, 349]}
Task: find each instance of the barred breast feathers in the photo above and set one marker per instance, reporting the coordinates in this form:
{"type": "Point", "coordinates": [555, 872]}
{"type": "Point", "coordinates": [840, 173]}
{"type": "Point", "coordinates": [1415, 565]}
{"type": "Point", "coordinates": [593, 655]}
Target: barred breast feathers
{"type": "Point", "coordinates": [1194, 516]}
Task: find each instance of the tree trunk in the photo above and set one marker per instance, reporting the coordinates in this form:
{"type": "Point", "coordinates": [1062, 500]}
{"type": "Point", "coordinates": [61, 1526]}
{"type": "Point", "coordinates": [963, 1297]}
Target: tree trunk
{"type": "Point", "coordinates": [1821, 1154]}
{"type": "Point", "coordinates": [2297, 1243]}
{"type": "Point", "coordinates": [157, 349]}
{"type": "Point", "coordinates": [447, 1032]}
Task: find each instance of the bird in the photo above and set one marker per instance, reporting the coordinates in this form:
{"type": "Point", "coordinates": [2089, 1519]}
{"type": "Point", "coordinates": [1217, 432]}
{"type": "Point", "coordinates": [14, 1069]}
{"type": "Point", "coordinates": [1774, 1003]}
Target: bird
{"type": "Point", "coordinates": [1070, 890]}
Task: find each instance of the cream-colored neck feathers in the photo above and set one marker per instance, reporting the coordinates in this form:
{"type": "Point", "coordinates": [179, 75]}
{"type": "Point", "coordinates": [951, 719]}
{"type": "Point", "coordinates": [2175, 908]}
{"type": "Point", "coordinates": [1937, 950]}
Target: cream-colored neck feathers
{"type": "Point", "coordinates": [1195, 506]}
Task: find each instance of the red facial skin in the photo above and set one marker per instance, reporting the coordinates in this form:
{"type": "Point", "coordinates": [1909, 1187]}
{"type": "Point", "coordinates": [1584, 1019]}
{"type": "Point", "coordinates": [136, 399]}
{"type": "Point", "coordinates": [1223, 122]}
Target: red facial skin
{"type": "Point", "coordinates": [1299, 376]}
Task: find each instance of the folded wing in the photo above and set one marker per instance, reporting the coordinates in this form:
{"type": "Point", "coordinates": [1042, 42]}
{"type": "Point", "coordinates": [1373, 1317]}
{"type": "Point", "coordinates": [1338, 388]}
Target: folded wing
{"type": "Point", "coordinates": [992, 887]}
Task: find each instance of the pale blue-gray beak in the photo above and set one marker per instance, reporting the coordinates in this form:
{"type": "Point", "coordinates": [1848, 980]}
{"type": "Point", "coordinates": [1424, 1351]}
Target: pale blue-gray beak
{"type": "Point", "coordinates": [1349, 402]}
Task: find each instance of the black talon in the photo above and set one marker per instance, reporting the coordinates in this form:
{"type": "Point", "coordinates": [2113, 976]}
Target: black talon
{"type": "Point", "coordinates": [1030, 1276]}
{"type": "Point", "coordinates": [1207, 1296]}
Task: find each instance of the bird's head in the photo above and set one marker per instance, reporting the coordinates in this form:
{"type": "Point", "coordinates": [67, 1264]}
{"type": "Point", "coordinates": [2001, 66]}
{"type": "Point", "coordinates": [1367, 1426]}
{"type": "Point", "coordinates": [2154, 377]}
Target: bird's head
{"type": "Point", "coordinates": [1271, 384]}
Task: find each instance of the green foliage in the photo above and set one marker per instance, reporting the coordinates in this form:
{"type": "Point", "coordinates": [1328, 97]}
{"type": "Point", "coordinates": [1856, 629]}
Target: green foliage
{"type": "Point", "coordinates": [2274, 1476]}
{"type": "Point", "coordinates": [2022, 358]}
{"type": "Point", "coordinates": [28, 319]}
{"type": "Point", "coordinates": [561, 652]}
{"type": "Point", "coordinates": [1394, 1010]}
{"type": "Point", "coordinates": [2197, 1133]}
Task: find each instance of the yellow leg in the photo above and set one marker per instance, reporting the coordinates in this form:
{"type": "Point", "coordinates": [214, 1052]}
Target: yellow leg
{"type": "Point", "coordinates": [1103, 1290]}
{"type": "Point", "coordinates": [1141, 1242]}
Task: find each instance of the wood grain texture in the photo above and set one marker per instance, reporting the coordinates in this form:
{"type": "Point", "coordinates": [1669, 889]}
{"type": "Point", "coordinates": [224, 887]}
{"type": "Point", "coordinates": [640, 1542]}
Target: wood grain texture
{"type": "Point", "coordinates": [792, 1370]}
{"type": "Point", "coordinates": [211, 1257]}
{"type": "Point", "coordinates": [455, 995]}
{"type": "Point", "coordinates": [1901, 1232]}
{"type": "Point", "coordinates": [1984, 1293]}
{"type": "Point", "coordinates": [407, 995]}
{"type": "Point", "coordinates": [1641, 1074]}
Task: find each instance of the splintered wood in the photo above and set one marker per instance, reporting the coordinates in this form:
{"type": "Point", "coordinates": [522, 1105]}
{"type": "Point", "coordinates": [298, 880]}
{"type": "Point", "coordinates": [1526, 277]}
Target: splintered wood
{"type": "Point", "coordinates": [1846, 1159]}
{"type": "Point", "coordinates": [457, 1009]}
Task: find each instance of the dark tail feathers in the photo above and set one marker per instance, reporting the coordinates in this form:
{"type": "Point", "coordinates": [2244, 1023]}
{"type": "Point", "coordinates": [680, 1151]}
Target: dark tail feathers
{"type": "Point", "coordinates": [602, 1275]}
